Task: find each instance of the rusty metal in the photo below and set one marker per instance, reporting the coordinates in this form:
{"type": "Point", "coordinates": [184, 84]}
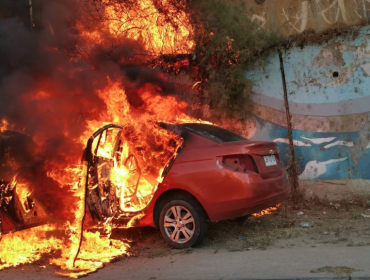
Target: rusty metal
{"type": "Point", "coordinates": [84, 183]}
{"type": "Point", "coordinates": [87, 162]}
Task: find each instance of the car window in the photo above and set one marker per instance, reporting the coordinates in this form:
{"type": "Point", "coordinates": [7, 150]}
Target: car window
{"type": "Point", "coordinates": [213, 133]}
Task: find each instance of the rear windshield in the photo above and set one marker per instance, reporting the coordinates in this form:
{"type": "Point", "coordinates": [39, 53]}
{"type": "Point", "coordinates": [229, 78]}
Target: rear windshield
{"type": "Point", "coordinates": [213, 133]}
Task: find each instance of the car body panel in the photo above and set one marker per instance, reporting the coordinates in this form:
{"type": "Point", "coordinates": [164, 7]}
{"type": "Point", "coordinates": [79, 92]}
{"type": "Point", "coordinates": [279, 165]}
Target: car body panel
{"type": "Point", "coordinates": [242, 194]}
{"type": "Point", "coordinates": [224, 194]}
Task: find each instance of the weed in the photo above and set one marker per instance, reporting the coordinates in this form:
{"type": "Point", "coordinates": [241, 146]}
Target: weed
{"type": "Point", "coordinates": [227, 44]}
{"type": "Point", "coordinates": [338, 270]}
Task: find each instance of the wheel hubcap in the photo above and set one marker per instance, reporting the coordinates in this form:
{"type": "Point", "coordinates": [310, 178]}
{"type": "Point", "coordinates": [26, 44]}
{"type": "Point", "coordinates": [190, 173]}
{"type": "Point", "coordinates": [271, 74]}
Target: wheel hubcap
{"type": "Point", "coordinates": [179, 224]}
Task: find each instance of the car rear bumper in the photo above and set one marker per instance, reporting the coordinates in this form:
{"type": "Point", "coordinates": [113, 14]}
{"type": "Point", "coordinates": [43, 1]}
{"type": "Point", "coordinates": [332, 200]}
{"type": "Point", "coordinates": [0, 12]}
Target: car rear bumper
{"type": "Point", "coordinates": [244, 194]}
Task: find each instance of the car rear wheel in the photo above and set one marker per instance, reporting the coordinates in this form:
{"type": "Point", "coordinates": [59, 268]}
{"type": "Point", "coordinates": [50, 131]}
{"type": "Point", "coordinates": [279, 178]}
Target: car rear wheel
{"type": "Point", "coordinates": [183, 223]}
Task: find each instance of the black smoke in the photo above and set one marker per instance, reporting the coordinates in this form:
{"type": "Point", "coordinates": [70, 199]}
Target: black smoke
{"type": "Point", "coordinates": [49, 77]}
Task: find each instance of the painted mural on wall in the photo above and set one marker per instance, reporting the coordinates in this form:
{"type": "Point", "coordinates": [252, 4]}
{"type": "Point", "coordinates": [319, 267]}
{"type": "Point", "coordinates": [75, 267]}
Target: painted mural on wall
{"type": "Point", "coordinates": [329, 99]}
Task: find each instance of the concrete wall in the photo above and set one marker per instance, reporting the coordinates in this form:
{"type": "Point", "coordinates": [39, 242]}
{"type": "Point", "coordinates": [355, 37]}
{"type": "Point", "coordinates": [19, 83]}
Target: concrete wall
{"type": "Point", "coordinates": [329, 99]}
{"type": "Point", "coordinates": [295, 16]}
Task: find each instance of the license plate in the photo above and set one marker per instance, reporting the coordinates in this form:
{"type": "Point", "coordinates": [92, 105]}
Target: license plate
{"type": "Point", "coordinates": [270, 160]}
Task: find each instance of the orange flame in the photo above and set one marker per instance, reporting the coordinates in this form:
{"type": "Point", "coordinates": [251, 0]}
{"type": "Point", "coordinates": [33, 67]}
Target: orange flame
{"type": "Point", "coordinates": [153, 29]}
{"type": "Point", "coordinates": [4, 125]}
{"type": "Point", "coordinates": [267, 211]}
{"type": "Point", "coordinates": [166, 31]}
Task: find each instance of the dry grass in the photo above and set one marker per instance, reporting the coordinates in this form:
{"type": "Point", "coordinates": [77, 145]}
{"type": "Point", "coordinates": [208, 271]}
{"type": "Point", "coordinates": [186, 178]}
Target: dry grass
{"type": "Point", "coordinates": [338, 270]}
{"type": "Point", "coordinates": [330, 224]}
{"type": "Point", "coordinates": [336, 223]}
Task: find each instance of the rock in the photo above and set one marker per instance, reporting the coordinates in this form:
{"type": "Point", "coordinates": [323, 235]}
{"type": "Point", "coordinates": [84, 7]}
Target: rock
{"type": "Point", "coordinates": [326, 233]}
{"type": "Point", "coordinates": [300, 213]}
{"type": "Point", "coordinates": [305, 225]}
{"type": "Point", "coordinates": [336, 205]}
{"type": "Point", "coordinates": [365, 216]}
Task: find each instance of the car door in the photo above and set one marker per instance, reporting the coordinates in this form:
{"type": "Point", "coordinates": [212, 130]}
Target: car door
{"type": "Point", "coordinates": [102, 150]}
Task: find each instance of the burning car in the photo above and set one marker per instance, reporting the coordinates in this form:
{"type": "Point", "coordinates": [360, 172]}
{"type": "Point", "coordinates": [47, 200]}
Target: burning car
{"type": "Point", "coordinates": [206, 173]}
{"type": "Point", "coordinates": [18, 207]}
{"type": "Point", "coordinates": [182, 176]}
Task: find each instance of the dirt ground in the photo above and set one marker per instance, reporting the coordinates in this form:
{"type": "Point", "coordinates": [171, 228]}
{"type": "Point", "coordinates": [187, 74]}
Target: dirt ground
{"type": "Point", "coordinates": [312, 224]}
{"type": "Point", "coordinates": [319, 238]}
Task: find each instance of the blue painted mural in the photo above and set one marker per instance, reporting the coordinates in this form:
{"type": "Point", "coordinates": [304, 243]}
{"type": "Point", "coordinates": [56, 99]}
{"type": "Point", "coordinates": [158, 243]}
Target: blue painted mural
{"type": "Point", "coordinates": [329, 99]}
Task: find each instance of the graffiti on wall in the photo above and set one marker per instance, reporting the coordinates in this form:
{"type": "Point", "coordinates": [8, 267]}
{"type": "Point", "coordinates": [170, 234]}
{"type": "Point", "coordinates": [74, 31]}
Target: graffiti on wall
{"type": "Point", "coordinates": [330, 105]}
{"type": "Point", "coordinates": [299, 21]}
{"type": "Point", "coordinates": [297, 16]}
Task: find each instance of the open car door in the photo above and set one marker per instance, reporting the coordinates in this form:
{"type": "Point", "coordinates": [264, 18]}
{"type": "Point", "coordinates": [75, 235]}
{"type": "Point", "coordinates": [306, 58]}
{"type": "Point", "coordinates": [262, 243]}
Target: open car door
{"type": "Point", "coordinates": [117, 185]}
{"type": "Point", "coordinates": [100, 153]}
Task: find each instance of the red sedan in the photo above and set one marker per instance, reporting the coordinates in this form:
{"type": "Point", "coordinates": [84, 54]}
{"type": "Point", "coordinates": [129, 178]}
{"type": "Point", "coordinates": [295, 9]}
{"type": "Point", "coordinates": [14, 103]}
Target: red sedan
{"type": "Point", "coordinates": [217, 175]}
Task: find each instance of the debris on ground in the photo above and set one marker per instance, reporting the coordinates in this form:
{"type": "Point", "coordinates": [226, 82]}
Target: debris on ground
{"type": "Point", "coordinates": [335, 205]}
{"type": "Point", "coordinates": [305, 225]}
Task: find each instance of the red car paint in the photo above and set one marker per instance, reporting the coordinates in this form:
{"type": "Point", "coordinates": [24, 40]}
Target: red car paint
{"type": "Point", "coordinates": [223, 193]}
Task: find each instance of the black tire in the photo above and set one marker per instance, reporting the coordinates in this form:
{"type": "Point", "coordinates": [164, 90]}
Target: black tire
{"type": "Point", "coordinates": [199, 223]}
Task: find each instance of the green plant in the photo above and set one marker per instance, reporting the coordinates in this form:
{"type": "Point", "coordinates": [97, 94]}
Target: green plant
{"type": "Point", "coordinates": [227, 42]}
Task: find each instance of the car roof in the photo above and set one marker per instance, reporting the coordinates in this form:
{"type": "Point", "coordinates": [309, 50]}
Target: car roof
{"type": "Point", "coordinates": [208, 131]}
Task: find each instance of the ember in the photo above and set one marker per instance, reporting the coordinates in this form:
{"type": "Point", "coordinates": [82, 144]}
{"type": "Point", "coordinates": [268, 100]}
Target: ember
{"type": "Point", "coordinates": [70, 76]}
{"type": "Point", "coordinates": [267, 211]}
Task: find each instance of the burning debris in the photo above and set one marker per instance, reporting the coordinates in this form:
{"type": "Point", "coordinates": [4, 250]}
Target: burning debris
{"type": "Point", "coordinates": [60, 82]}
{"type": "Point", "coordinates": [267, 211]}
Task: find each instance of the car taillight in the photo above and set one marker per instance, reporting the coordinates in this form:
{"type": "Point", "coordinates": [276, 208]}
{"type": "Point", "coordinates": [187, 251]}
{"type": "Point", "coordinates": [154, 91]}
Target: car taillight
{"type": "Point", "coordinates": [238, 163]}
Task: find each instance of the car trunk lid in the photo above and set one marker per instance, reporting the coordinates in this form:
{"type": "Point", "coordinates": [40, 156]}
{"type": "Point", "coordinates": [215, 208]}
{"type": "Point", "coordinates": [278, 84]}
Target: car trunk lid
{"type": "Point", "coordinates": [264, 154]}
{"type": "Point", "coordinates": [266, 157]}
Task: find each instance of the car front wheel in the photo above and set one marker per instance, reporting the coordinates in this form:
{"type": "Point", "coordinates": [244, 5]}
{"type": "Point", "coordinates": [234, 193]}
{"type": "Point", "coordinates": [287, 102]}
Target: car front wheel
{"type": "Point", "coordinates": [183, 223]}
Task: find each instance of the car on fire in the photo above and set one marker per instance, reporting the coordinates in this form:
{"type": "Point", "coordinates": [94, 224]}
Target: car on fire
{"type": "Point", "coordinates": [217, 175]}
{"type": "Point", "coordinates": [213, 175]}
{"type": "Point", "coordinates": [18, 208]}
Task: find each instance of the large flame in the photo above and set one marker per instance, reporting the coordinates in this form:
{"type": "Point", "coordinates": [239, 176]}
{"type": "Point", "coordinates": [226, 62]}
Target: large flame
{"type": "Point", "coordinates": [160, 28]}
{"type": "Point", "coordinates": [161, 32]}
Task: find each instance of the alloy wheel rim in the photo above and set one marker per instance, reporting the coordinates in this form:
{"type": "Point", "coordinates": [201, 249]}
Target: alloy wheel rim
{"type": "Point", "coordinates": [179, 224]}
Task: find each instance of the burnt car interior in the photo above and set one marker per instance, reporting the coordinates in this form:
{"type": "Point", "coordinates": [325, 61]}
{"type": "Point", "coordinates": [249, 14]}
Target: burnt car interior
{"type": "Point", "coordinates": [113, 191]}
